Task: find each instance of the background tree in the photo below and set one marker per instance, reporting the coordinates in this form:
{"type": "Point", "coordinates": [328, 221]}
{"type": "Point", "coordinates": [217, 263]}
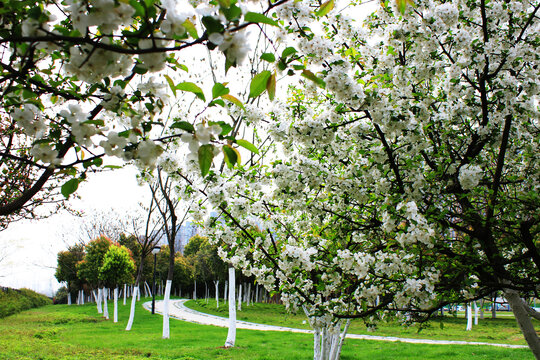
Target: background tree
{"type": "Point", "coordinates": [66, 270]}
{"type": "Point", "coordinates": [118, 268]}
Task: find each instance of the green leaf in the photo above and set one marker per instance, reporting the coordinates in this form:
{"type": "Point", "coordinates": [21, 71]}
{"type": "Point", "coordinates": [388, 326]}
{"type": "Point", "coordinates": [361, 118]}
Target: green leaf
{"type": "Point", "coordinates": [258, 83]}
{"type": "Point", "coordinates": [112, 167]}
{"type": "Point", "coordinates": [69, 187]}
{"type": "Point", "coordinates": [311, 76]}
{"type": "Point", "coordinates": [247, 145]}
{"type": "Point", "coordinates": [234, 100]}
{"type": "Point", "coordinates": [212, 24]}
{"type": "Point", "coordinates": [184, 125]}
{"type": "Point", "coordinates": [191, 87]}
{"type": "Point", "coordinates": [259, 18]}
{"type": "Point", "coordinates": [325, 8]}
{"type": "Point", "coordinates": [225, 3]}
{"type": "Point", "coordinates": [268, 57]}
{"type": "Point", "coordinates": [271, 86]}
{"type": "Point", "coordinates": [402, 5]}
{"type": "Point", "coordinates": [288, 52]}
{"type": "Point", "coordinates": [190, 28]}
{"type": "Point", "coordinates": [219, 90]}
{"type": "Point", "coordinates": [225, 128]}
{"type": "Point", "coordinates": [229, 155]}
{"type": "Point", "coordinates": [171, 83]}
{"type": "Point", "coordinates": [206, 154]}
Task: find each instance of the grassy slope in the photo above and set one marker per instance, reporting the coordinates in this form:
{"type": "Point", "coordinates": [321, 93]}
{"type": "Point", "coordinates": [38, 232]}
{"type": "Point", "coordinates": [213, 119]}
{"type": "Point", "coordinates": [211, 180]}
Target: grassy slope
{"type": "Point", "coordinates": [78, 332]}
{"type": "Point", "coordinates": [13, 301]}
{"type": "Point", "coordinates": [500, 330]}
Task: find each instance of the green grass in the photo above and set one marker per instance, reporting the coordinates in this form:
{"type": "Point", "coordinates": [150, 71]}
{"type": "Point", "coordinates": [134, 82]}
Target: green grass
{"type": "Point", "coordinates": [13, 301]}
{"type": "Point", "coordinates": [78, 332]}
{"type": "Point", "coordinates": [499, 330]}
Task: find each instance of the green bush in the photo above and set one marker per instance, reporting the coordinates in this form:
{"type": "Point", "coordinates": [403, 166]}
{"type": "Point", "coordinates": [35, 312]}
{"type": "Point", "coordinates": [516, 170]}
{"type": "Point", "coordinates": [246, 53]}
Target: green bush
{"type": "Point", "coordinates": [13, 301]}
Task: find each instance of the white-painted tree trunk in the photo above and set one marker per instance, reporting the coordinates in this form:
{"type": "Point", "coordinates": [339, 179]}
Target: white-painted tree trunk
{"type": "Point", "coordinates": [194, 289]}
{"type": "Point", "coordinates": [248, 295]}
{"type": "Point", "coordinates": [239, 297]}
{"type": "Point", "coordinates": [132, 310]}
{"type": "Point", "coordinates": [327, 339]}
{"type": "Point", "coordinates": [469, 317]}
{"type": "Point", "coordinates": [166, 332]}
{"type": "Point", "coordinates": [82, 297]}
{"type": "Point", "coordinates": [115, 318]}
{"type": "Point", "coordinates": [225, 291]}
{"type": "Point", "coordinates": [216, 283]}
{"type": "Point", "coordinates": [69, 298]}
{"type": "Point", "coordinates": [105, 307]}
{"type": "Point", "coordinates": [125, 293]}
{"type": "Point", "coordinates": [138, 293]}
{"type": "Point", "coordinates": [257, 293]}
{"type": "Point", "coordinates": [231, 334]}
{"type": "Point", "coordinates": [521, 312]}
{"type": "Point", "coordinates": [475, 313]}
{"type": "Point", "coordinates": [98, 301]}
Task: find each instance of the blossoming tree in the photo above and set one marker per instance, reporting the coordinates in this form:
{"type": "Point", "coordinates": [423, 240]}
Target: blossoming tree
{"type": "Point", "coordinates": [409, 171]}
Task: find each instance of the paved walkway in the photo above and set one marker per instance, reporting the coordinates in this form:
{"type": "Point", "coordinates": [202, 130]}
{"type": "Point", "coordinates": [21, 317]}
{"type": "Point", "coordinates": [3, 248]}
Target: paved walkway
{"type": "Point", "coordinates": [179, 311]}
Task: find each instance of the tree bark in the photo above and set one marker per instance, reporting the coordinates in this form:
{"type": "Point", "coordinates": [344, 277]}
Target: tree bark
{"type": "Point", "coordinates": [240, 297]}
{"type": "Point", "coordinates": [231, 334]}
{"type": "Point", "coordinates": [524, 321]}
{"type": "Point", "coordinates": [166, 331]}
{"type": "Point", "coordinates": [469, 317]}
{"type": "Point", "coordinates": [115, 316]}
{"type": "Point", "coordinates": [216, 283]}
{"type": "Point", "coordinates": [105, 307]}
{"type": "Point", "coordinates": [132, 310]}
{"type": "Point", "coordinates": [125, 291]}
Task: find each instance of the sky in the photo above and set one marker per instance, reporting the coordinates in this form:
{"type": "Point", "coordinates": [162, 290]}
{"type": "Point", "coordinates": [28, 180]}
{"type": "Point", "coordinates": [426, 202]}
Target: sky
{"type": "Point", "coordinates": [28, 249]}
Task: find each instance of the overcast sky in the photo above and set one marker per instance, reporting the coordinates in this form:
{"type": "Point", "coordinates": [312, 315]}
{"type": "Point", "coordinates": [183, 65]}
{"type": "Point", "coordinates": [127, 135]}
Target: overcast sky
{"type": "Point", "coordinates": [28, 248]}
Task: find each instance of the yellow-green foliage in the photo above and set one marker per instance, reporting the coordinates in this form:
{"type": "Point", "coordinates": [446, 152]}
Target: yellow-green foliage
{"type": "Point", "coordinates": [13, 301]}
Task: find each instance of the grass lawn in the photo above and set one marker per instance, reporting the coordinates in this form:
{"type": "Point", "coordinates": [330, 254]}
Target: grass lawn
{"type": "Point", "coordinates": [78, 332]}
{"type": "Point", "coordinates": [499, 330]}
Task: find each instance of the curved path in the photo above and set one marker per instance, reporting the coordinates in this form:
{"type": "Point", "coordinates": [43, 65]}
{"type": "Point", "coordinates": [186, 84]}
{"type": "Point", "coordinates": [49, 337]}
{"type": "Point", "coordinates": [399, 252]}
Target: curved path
{"type": "Point", "coordinates": [179, 311]}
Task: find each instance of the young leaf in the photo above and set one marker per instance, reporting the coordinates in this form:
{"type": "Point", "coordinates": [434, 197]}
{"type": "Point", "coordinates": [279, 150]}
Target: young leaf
{"type": "Point", "coordinates": [69, 187]}
{"type": "Point", "coordinates": [288, 52]}
{"type": "Point", "coordinates": [206, 154]}
{"type": "Point", "coordinates": [271, 86]}
{"type": "Point", "coordinates": [184, 125]}
{"type": "Point", "coordinates": [311, 76]}
{"type": "Point", "coordinates": [247, 145]}
{"type": "Point", "coordinates": [171, 84]}
{"type": "Point", "coordinates": [402, 5]}
{"type": "Point", "coordinates": [229, 155]}
{"type": "Point", "coordinates": [190, 28]}
{"type": "Point", "coordinates": [219, 90]}
{"type": "Point", "coordinates": [268, 57]}
{"type": "Point", "coordinates": [259, 18]}
{"type": "Point", "coordinates": [258, 83]}
{"type": "Point", "coordinates": [191, 87]}
{"type": "Point", "coordinates": [234, 100]}
{"type": "Point", "coordinates": [325, 8]}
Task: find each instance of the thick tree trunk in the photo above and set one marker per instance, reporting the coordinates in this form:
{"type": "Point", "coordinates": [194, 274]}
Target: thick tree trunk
{"type": "Point", "coordinates": [105, 307]}
{"type": "Point", "coordinates": [132, 310]}
{"type": "Point", "coordinates": [115, 316]}
{"type": "Point", "coordinates": [166, 332]}
{"type": "Point", "coordinates": [524, 321]}
{"type": "Point", "coordinates": [231, 334]}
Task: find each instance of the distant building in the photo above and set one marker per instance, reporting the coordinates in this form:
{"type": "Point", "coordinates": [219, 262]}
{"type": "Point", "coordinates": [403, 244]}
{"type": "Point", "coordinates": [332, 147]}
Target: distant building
{"type": "Point", "coordinates": [186, 232]}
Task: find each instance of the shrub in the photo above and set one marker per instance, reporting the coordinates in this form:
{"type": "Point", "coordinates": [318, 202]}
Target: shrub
{"type": "Point", "coordinates": [13, 301]}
